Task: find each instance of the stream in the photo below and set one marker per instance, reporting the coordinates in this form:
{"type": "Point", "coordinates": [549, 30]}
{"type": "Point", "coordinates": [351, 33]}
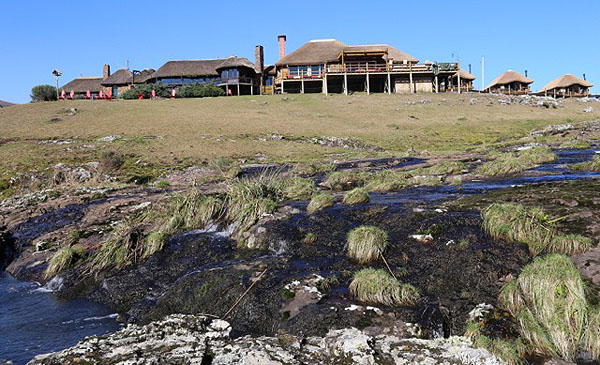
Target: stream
{"type": "Point", "coordinates": [33, 321]}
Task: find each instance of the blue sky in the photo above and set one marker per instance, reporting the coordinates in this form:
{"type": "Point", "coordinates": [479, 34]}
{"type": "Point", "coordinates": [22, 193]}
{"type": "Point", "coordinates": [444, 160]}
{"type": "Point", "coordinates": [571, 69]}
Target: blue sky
{"type": "Point", "coordinates": [548, 38]}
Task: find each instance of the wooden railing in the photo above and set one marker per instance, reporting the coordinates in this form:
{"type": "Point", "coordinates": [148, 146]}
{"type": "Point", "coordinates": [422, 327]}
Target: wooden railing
{"type": "Point", "coordinates": [235, 80]}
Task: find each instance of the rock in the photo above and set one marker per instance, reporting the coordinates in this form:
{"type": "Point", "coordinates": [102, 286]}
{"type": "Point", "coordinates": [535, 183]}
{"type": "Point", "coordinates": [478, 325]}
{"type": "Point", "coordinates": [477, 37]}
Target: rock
{"type": "Point", "coordinates": [199, 339]}
{"type": "Point", "coordinates": [588, 110]}
{"type": "Point", "coordinates": [423, 238]}
{"type": "Point", "coordinates": [109, 138]}
{"type": "Point", "coordinates": [553, 129]}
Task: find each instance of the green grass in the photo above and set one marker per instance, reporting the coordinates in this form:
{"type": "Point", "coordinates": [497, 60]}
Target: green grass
{"type": "Point", "coordinates": [378, 287]}
{"type": "Point", "coordinates": [576, 144]}
{"type": "Point", "coordinates": [310, 238]}
{"type": "Point", "coordinates": [445, 168]}
{"type": "Point", "coordinates": [320, 202]}
{"type": "Point", "coordinates": [516, 223]}
{"type": "Point", "coordinates": [387, 180]}
{"type": "Point", "coordinates": [366, 243]}
{"type": "Point", "coordinates": [345, 180]}
{"type": "Point", "coordinates": [65, 258]}
{"type": "Point", "coordinates": [509, 352]}
{"type": "Point", "coordinates": [299, 188]}
{"type": "Point", "coordinates": [548, 301]}
{"type": "Point", "coordinates": [507, 163]}
{"type": "Point", "coordinates": [356, 196]}
{"type": "Point", "coordinates": [592, 165]}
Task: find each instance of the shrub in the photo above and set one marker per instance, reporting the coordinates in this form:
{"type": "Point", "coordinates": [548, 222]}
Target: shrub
{"type": "Point", "coordinates": [532, 226]}
{"type": "Point", "coordinates": [549, 304]}
{"type": "Point", "coordinates": [310, 238]}
{"type": "Point", "coordinates": [43, 93]}
{"type": "Point", "coordinates": [111, 161]}
{"type": "Point", "coordinates": [65, 258]}
{"type": "Point", "coordinates": [199, 91]}
{"type": "Point", "coordinates": [161, 90]}
{"type": "Point", "coordinates": [320, 202]}
{"type": "Point", "coordinates": [356, 196]}
{"type": "Point", "coordinates": [379, 287]}
{"type": "Point", "coordinates": [299, 188]}
{"type": "Point", "coordinates": [366, 243]}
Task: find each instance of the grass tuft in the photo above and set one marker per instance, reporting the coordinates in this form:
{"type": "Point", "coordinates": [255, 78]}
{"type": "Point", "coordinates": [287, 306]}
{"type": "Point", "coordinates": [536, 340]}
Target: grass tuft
{"type": "Point", "coordinates": [366, 243]}
{"type": "Point", "coordinates": [65, 258]}
{"type": "Point", "coordinates": [592, 165]}
{"type": "Point", "coordinates": [320, 202]}
{"type": "Point", "coordinates": [299, 188]}
{"type": "Point", "coordinates": [356, 196]}
{"type": "Point", "coordinates": [387, 180]}
{"type": "Point", "coordinates": [532, 226]}
{"type": "Point", "coordinates": [310, 238]}
{"type": "Point", "coordinates": [378, 287]}
{"type": "Point", "coordinates": [576, 144]}
{"type": "Point", "coordinates": [549, 304]}
{"type": "Point", "coordinates": [507, 163]}
{"type": "Point", "coordinates": [345, 180]}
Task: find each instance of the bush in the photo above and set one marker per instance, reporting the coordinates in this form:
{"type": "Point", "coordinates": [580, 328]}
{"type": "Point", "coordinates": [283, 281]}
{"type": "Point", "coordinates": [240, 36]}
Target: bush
{"type": "Point", "coordinates": [548, 301]}
{"type": "Point", "coordinates": [161, 90]}
{"type": "Point", "coordinates": [199, 91]}
{"type": "Point", "coordinates": [111, 161]}
{"type": "Point", "coordinates": [356, 196]}
{"type": "Point", "coordinates": [43, 93]}
{"type": "Point", "coordinates": [366, 243]}
{"type": "Point", "coordinates": [379, 287]}
{"type": "Point", "coordinates": [320, 202]}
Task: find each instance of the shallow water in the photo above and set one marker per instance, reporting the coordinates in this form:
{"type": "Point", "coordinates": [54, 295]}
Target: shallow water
{"type": "Point", "coordinates": [32, 321]}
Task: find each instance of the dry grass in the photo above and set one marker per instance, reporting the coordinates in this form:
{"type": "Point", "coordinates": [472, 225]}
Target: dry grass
{"type": "Point", "coordinates": [513, 162]}
{"type": "Point", "coordinates": [356, 196]}
{"type": "Point", "coordinates": [299, 188]}
{"type": "Point", "coordinates": [366, 243]}
{"type": "Point", "coordinates": [210, 128]}
{"type": "Point", "coordinates": [548, 301]}
{"type": "Point", "coordinates": [379, 287]}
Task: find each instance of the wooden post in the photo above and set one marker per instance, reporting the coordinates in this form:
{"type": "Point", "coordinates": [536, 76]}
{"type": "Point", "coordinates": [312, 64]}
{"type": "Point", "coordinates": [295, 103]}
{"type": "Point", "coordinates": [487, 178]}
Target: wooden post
{"type": "Point", "coordinates": [412, 88]}
{"type": "Point", "coordinates": [389, 80]}
{"type": "Point", "coordinates": [368, 86]}
{"type": "Point", "coordinates": [325, 84]}
{"type": "Point", "coordinates": [458, 73]}
{"type": "Point", "coordinates": [302, 82]}
{"type": "Point", "coordinates": [345, 82]}
{"type": "Point", "coordinates": [437, 84]}
{"type": "Point", "coordinates": [226, 89]}
{"type": "Point", "coordinates": [282, 91]}
{"type": "Point", "coordinates": [251, 87]}
{"type": "Point", "coordinates": [238, 88]}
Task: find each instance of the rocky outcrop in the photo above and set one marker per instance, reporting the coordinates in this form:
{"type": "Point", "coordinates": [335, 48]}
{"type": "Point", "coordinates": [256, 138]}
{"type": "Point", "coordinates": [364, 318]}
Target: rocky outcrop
{"type": "Point", "coordinates": [187, 339]}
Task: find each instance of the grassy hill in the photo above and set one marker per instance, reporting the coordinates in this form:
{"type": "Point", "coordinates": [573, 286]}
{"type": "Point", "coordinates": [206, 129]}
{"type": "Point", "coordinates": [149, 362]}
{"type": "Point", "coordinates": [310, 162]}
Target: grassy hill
{"type": "Point", "coordinates": [269, 128]}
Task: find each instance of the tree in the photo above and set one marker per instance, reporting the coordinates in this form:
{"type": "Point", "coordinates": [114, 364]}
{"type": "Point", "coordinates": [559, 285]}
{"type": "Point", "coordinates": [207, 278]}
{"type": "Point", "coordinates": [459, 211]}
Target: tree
{"type": "Point", "coordinates": [43, 93]}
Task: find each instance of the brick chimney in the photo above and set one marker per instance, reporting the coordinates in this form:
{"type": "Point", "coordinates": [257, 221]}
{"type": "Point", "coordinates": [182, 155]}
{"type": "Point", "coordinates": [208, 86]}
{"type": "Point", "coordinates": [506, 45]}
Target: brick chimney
{"type": "Point", "coordinates": [281, 39]}
{"type": "Point", "coordinates": [259, 58]}
{"type": "Point", "coordinates": [105, 72]}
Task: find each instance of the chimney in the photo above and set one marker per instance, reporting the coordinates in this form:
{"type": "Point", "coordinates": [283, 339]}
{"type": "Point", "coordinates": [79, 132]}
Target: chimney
{"type": "Point", "coordinates": [281, 39]}
{"type": "Point", "coordinates": [525, 73]}
{"type": "Point", "coordinates": [259, 58]}
{"type": "Point", "coordinates": [105, 72]}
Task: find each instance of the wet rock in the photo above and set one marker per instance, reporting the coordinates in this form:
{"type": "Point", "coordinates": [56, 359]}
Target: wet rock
{"type": "Point", "coordinates": [423, 238]}
{"type": "Point", "coordinates": [200, 339]}
{"type": "Point", "coordinates": [588, 110]}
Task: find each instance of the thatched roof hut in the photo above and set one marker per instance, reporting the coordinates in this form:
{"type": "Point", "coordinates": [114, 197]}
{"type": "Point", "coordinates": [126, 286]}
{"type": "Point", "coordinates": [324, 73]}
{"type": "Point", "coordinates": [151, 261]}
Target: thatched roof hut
{"type": "Point", "coordinates": [393, 54]}
{"type": "Point", "coordinates": [83, 84]}
{"type": "Point", "coordinates": [236, 62]}
{"type": "Point", "coordinates": [125, 77]}
{"type": "Point", "coordinates": [190, 68]}
{"type": "Point", "coordinates": [509, 77]}
{"type": "Point", "coordinates": [4, 104]}
{"type": "Point", "coordinates": [315, 52]}
{"type": "Point", "coordinates": [464, 75]}
{"type": "Point", "coordinates": [565, 82]}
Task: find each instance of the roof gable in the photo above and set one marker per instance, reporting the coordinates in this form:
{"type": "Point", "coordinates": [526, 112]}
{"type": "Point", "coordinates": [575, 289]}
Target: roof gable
{"type": "Point", "coordinates": [566, 81]}
{"type": "Point", "coordinates": [314, 52]}
{"type": "Point", "coordinates": [508, 77]}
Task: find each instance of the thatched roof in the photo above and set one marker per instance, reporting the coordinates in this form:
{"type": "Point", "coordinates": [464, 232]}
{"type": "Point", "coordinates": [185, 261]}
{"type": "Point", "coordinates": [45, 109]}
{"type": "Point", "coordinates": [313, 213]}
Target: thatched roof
{"type": "Point", "coordinates": [4, 104]}
{"type": "Point", "coordinates": [235, 61]}
{"type": "Point", "coordinates": [394, 54]}
{"type": "Point", "coordinates": [508, 77]}
{"type": "Point", "coordinates": [316, 52]}
{"type": "Point", "coordinates": [189, 68]}
{"type": "Point", "coordinates": [564, 82]}
{"type": "Point", "coordinates": [125, 77]}
{"type": "Point", "coordinates": [83, 84]}
{"type": "Point", "coordinates": [464, 75]}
